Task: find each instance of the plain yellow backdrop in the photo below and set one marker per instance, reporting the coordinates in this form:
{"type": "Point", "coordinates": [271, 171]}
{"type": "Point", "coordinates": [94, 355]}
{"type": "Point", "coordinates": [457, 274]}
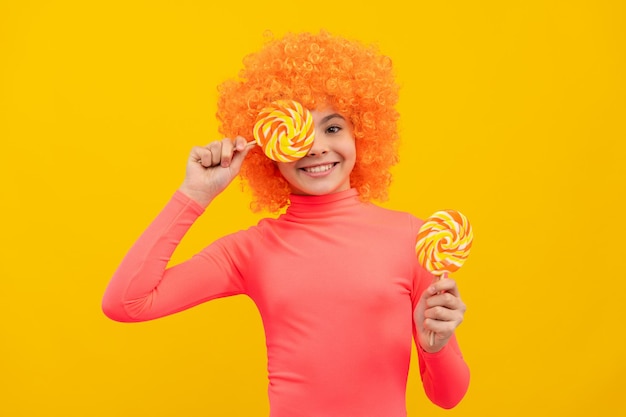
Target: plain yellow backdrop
{"type": "Point", "coordinates": [512, 111]}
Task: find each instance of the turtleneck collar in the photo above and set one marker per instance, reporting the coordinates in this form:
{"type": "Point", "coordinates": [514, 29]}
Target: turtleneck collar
{"type": "Point", "coordinates": [316, 204]}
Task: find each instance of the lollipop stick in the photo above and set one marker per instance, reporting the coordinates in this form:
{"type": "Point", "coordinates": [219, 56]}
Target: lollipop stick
{"type": "Point", "coordinates": [431, 340]}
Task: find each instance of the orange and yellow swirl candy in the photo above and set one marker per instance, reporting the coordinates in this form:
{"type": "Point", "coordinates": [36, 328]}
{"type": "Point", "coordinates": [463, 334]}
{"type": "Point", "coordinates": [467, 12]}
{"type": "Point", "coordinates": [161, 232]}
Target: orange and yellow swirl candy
{"type": "Point", "coordinates": [284, 130]}
{"type": "Point", "coordinates": [443, 244]}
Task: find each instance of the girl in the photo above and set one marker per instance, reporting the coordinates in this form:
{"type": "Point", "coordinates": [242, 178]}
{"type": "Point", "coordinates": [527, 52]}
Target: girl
{"type": "Point", "coordinates": [335, 277]}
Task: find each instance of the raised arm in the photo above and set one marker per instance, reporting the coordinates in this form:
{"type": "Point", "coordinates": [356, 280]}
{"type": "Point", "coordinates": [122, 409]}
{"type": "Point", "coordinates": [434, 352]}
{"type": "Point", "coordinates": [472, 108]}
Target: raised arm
{"type": "Point", "coordinates": [144, 287]}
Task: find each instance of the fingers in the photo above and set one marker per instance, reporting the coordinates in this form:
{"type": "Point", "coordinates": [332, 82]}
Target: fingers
{"type": "Point", "coordinates": [218, 153]}
{"type": "Point", "coordinates": [440, 330]}
{"type": "Point", "coordinates": [444, 310]}
{"type": "Point", "coordinates": [439, 287]}
{"type": "Point", "coordinates": [242, 147]}
{"type": "Point", "coordinates": [240, 143]}
{"type": "Point", "coordinates": [445, 285]}
{"type": "Point", "coordinates": [443, 313]}
{"type": "Point", "coordinates": [446, 300]}
{"type": "Point", "coordinates": [202, 155]}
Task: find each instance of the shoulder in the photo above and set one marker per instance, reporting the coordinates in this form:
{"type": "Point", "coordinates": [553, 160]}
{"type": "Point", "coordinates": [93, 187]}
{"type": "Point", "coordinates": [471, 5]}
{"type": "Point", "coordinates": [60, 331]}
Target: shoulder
{"type": "Point", "coordinates": [395, 217]}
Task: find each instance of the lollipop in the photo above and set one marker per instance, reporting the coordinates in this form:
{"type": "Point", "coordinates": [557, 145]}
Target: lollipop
{"type": "Point", "coordinates": [284, 130]}
{"type": "Point", "coordinates": [443, 244]}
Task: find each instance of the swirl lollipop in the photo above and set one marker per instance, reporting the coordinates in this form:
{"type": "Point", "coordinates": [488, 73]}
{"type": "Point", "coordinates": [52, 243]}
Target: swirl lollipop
{"type": "Point", "coordinates": [284, 130]}
{"type": "Point", "coordinates": [443, 244]}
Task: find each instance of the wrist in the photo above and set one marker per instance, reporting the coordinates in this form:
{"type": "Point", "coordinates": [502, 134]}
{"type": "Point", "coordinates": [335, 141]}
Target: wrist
{"type": "Point", "coordinates": [200, 197]}
{"type": "Point", "coordinates": [431, 350]}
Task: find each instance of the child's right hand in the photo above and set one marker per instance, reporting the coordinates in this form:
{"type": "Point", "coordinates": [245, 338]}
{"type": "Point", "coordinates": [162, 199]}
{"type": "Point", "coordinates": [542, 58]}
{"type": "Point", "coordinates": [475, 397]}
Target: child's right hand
{"type": "Point", "coordinates": [211, 168]}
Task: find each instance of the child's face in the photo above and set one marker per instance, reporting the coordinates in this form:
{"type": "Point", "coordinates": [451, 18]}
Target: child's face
{"type": "Point", "coordinates": [327, 166]}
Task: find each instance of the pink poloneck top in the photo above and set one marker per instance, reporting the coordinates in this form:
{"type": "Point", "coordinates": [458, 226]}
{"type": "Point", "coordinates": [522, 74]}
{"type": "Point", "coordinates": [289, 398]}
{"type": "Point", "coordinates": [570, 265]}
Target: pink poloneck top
{"type": "Point", "coordinates": [335, 280]}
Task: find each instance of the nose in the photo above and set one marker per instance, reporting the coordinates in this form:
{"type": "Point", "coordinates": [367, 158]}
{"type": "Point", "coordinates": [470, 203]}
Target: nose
{"type": "Point", "coordinates": [320, 145]}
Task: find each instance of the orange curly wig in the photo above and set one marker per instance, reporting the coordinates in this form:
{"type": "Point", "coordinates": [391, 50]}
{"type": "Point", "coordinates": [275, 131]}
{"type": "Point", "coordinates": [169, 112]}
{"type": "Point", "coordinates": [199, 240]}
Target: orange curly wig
{"type": "Point", "coordinates": [317, 70]}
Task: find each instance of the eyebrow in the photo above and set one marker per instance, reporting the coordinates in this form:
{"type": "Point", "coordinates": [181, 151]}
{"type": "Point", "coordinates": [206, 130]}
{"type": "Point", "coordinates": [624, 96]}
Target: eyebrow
{"type": "Point", "coordinates": [331, 116]}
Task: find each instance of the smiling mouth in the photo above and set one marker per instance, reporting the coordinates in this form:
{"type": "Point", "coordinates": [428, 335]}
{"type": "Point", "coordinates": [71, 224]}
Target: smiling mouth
{"type": "Point", "coordinates": [319, 168]}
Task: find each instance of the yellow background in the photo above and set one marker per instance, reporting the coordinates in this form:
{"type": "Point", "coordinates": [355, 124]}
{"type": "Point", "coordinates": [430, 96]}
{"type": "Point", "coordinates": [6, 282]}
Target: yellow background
{"type": "Point", "coordinates": [512, 112]}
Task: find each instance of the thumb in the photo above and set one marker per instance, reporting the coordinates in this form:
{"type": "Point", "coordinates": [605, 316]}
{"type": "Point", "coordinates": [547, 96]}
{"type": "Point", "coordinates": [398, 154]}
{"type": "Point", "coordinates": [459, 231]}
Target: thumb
{"type": "Point", "coordinates": [241, 150]}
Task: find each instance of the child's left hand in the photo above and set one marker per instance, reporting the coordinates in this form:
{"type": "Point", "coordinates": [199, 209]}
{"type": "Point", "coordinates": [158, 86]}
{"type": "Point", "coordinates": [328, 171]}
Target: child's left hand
{"type": "Point", "coordinates": [440, 310]}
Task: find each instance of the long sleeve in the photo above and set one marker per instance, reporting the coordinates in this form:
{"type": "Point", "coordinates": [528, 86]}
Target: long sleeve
{"type": "Point", "coordinates": [335, 281]}
{"type": "Point", "coordinates": [445, 375]}
{"type": "Point", "coordinates": [144, 288]}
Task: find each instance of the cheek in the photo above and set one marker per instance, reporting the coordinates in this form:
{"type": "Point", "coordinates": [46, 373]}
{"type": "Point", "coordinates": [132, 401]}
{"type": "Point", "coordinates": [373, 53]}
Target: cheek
{"type": "Point", "coordinates": [286, 169]}
{"type": "Point", "coordinates": [349, 150]}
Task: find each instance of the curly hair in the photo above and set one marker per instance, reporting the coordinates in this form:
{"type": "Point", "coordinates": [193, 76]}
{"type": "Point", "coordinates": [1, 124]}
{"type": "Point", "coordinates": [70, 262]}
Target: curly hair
{"type": "Point", "coordinates": [317, 70]}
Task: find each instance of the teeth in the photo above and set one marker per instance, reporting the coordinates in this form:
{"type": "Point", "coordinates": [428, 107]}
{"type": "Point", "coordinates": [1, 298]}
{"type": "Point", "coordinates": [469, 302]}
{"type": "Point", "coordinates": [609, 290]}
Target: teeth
{"type": "Point", "coordinates": [320, 168]}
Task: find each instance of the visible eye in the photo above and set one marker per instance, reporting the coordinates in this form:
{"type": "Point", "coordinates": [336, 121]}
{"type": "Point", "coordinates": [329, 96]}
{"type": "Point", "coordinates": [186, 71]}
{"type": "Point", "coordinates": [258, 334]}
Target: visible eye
{"type": "Point", "coordinates": [333, 129]}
